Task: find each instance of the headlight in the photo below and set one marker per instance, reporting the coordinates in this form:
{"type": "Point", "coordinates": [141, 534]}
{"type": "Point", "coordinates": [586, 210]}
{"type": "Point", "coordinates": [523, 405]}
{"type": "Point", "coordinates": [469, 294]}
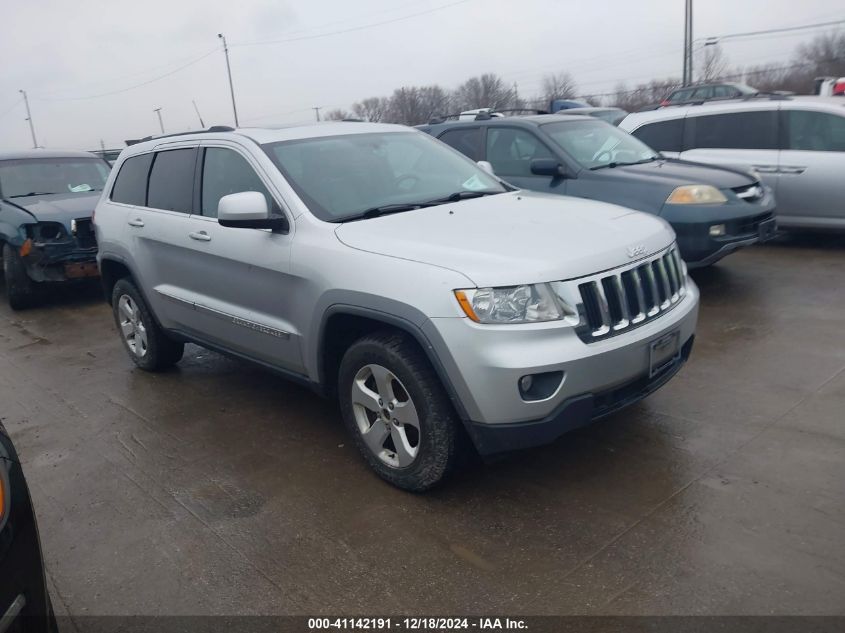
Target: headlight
{"type": "Point", "coordinates": [696, 194]}
{"type": "Point", "coordinates": [512, 304]}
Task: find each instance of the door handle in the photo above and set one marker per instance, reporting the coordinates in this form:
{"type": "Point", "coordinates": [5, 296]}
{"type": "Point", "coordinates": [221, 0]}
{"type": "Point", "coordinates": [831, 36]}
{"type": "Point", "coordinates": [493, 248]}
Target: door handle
{"type": "Point", "coordinates": [792, 169]}
{"type": "Point", "coordinates": [201, 236]}
{"type": "Point", "coordinates": [136, 222]}
{"type": "Point", "coordinates": [766, 169]}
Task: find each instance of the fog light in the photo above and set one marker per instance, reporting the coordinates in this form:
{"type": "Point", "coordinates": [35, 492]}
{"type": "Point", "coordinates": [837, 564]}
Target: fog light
{"type": "Point", "coordinates": [717, 230]}
{"type": "Point", "coordinates": [525, 383]}
{"type": "Point", "coordinates": [535, 387]}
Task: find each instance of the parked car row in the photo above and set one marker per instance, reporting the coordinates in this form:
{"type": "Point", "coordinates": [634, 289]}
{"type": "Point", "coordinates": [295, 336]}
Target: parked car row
{"type": "Point", "coordinates": [441, 296]}
{"type": "Point", "coordinates": [713, 210]}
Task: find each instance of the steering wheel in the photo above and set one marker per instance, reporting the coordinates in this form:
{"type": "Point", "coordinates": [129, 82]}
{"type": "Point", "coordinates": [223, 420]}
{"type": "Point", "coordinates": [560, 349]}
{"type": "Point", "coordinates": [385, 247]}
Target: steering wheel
{"type": "Point", "coordinates": [411, 179]}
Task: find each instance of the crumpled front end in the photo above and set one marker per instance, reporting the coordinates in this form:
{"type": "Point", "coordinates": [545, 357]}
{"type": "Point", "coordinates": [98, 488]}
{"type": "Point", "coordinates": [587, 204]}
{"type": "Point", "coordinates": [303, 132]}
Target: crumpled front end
{"type": "Point", "coordinates": [54, 251]}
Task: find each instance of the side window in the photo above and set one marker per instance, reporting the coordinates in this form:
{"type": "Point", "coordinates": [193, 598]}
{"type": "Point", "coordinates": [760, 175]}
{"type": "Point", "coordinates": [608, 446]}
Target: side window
{"type": "Point", "coordinates": [680, 95]}
{"type": "Point", "coordinates": [663, 136]}
{"type": "Point", "coordinates": [741, 130]}
{"type": "Point", "coordinates": [224, 171]}
{"type": "Point", "coordinates": [130, 186]}
{"type": "Point", "coordinates": [815, 131]}
{"type": "Point", "coordinates": [702, 93]}
{"type": "Point", "coordinates": [465, 140]}
{"type": "Point", "coordinates": [724, 92]}
{"type": "Point", "coordinates": [172, 180]}
{"type": "Point", "coordinates": [511, 151]}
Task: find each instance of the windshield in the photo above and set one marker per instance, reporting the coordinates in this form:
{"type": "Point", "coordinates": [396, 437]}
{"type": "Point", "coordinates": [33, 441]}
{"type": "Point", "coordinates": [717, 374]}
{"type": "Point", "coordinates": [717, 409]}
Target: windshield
{"type": "Point", "coordinates": [342, 177]}
{"type": "Point", "coordinates": [596, 144]}
{"type": "Point", "coordinates": [34, 176]}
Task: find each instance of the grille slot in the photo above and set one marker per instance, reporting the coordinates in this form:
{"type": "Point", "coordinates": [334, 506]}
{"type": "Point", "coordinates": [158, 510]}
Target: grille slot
{"type": "Point", "coordinates": [616, 302]}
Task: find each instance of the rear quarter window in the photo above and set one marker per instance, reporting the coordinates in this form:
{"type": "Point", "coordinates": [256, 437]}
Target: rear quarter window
{"type": "Point", "coordinates": [663, 136]}
{"type": "Point", "coordinates": [130, 186]}
{"type": "Point", "coordinates": [465, 140]}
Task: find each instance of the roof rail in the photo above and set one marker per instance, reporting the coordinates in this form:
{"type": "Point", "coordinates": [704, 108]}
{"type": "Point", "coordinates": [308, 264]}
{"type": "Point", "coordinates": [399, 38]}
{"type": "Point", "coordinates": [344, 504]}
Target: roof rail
{"type": "Point", "coordinates": [777, 95]}
{"type": "Point", "coordinates": [485, 115]}
{"type": "Point", "coordinates": [212, 129]}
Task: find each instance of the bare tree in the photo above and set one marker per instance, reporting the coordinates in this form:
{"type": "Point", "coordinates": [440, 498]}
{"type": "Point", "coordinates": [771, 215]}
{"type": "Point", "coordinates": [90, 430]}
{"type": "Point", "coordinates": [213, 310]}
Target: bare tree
{"type": "Point", "coordinates": [372, 109]}
{"type": "Point", "coordinates": [434, 100]}
{"type": "Point", "coordinates": [558, 86]}
{"type": "Point", "coordinates": [406, 106]}
{"type": "Point", "coordinates": [484, 91]}
{"type": "Point", "coordinates": [713, 64]}
{"type": "Point", "coordinates": [337, 114]}
{"type": "Point", "coordinates": [644, 94]}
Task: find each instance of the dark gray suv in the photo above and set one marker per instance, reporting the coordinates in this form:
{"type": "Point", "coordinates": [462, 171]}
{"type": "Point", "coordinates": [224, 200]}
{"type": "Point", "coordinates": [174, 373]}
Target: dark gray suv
{"type": "Point", "coordinates": [714, 210]}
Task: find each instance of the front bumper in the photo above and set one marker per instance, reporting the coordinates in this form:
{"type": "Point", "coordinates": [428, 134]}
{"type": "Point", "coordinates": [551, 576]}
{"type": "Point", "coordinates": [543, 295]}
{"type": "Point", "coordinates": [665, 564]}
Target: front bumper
{"type": "Point", "coordinates": [485, 363]}
{"type": "Point", "coordinates": [60, 261]}
{"type": "Point", "coordinates": [746, 224]}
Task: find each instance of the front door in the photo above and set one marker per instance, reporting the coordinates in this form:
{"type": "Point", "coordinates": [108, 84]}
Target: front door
{"type": "Point", "coordinates": [511, 150]}
{"type": "Point", "coordinates": [239, 279]}
{"type": "Point", "coordinates": [811, 187]}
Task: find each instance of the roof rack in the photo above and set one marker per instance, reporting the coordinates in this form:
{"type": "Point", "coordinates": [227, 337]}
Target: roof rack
{"type": "Point", "coordinates": [777, 95]}
{"type": "Point", "coordinates": [211, 130]}
{"type": "Point", "coordinates": [483, 114]}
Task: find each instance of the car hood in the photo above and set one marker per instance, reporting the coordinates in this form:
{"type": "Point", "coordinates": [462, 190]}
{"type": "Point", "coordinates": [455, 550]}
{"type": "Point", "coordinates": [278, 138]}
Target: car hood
{"type": "Point", "coordinates": [674, 173]}
{"type": "Point", "coordinates": [513, 238]}
{"type": "Point", "coordinates": [58, 207]}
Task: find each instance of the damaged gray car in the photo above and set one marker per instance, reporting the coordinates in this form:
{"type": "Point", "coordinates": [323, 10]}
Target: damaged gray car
{"type": "Point", "coordinates": [47, 199]}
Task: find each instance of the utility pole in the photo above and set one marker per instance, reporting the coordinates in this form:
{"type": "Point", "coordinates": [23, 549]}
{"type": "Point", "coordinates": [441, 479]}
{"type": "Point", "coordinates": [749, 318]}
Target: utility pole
{"type": "Point", "coordinates": [29, 118]}
{"type": "Point", "coordinates": [160, 122]}
{"type": "Point", "coordinates": [317, 110]}
{"type": "Point", "coordinates": [199, 116]}
{"type": "Point", "coordinates": [229, 71]}
{"type": "Point", "coordinates": [687, 74]}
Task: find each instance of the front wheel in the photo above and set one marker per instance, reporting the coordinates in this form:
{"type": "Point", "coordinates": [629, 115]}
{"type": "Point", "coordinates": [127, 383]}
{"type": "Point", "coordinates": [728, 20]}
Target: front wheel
{"type": "Point", "coordinates": [148, 345]}
{"type": "Point", "coordinates": [398, 412]}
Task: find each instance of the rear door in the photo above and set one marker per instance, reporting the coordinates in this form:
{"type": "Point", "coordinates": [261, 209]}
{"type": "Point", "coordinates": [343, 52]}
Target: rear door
{"type": "Point", "coordinates": [746, 139]}
{"type": "Point", "coordinates": [811, 172]}
{"type": "Point", "coordinates": [238, 279]}
{"type": "Point", "coordinates": [156, 228]}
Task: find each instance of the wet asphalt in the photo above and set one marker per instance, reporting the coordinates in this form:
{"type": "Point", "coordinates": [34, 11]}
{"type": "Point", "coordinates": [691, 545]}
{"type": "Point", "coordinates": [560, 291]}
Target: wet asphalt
{"type": "Point", "coordinates": [219, 488]}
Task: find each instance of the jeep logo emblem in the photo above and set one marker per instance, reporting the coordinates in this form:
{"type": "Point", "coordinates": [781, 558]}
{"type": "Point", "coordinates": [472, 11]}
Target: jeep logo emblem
{"type": "Point", "coordinates": [636, 251]}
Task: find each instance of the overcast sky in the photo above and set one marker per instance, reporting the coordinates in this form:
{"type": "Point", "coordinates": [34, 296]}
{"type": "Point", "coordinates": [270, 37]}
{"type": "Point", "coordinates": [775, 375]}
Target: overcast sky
{"type": "Point", "coordinates": [67, 54]}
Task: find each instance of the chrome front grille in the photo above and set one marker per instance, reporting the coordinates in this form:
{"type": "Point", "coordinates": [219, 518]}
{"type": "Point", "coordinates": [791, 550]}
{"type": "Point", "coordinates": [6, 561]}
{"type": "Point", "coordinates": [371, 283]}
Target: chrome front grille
{"type": "Point", "coordinates": [614, 303]}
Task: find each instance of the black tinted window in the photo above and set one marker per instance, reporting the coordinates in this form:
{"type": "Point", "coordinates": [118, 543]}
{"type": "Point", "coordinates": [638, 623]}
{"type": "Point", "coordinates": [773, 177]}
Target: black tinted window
{"type": "Point", "coordinates": [663, 136]}
{"type": "Point", "coordinates": [465, 140]}
{"type": "Point", "coordinates": [816, 131]}
{"type": "Point", "coordinates": [130, 186]}
{"type": "Point", "coordinates": [741, 130]}
{"type": "Point", "coordinates": [225, 171]}
{"type": "Point", "coordinates": [681, 95]}
{"type": "Point", "coordinates": [172, 180]}
{"type": "Point", "coordinates": [511, 151]}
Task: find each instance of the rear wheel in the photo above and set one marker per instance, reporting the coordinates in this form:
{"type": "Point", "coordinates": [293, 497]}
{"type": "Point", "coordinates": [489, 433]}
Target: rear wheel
{"type": "Point", "coordinates": [398, 412]}
{"type": "Point", "coordinates": [20, 289]}
{"type": "Point", "coordinates": [148, 345]}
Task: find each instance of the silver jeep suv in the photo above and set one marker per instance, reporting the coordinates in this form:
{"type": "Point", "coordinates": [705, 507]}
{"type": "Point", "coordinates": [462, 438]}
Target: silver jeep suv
{"type": "Point", "coordinates": [381, 267]}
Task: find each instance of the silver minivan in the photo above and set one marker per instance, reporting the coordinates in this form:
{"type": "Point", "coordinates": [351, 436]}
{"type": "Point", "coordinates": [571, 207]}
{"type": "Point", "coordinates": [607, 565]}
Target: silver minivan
{"type": "Point", "coordinates": [796, 144]}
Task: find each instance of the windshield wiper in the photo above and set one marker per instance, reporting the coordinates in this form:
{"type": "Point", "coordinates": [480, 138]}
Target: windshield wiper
{"type": "Point", "coordinates": [621, 164]}
{"type": "Point", "coordinates": [460, 195]}
{"type": "Point", "coordinates": [386, 209]}
{"type": "Point", "coordinates": [34, 193]}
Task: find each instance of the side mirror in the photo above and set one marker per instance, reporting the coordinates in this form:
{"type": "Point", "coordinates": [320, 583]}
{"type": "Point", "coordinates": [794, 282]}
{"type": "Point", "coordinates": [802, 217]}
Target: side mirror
{"type": "Point", "coordinates": [486, 166]}
{"type": "Point", "coordinates": [249, 210]}
{"type": "Point", "coordinates": [547, 167]}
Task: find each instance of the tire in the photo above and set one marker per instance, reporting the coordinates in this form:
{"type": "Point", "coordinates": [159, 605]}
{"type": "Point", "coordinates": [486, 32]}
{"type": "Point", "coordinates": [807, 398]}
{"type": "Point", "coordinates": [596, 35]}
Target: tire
{"type": "Point", "coordinates": [21, 291]}
{"type": "Point", "coordinates": [147, 344]}
{"type": "Point", "coordinates": [410, 456]}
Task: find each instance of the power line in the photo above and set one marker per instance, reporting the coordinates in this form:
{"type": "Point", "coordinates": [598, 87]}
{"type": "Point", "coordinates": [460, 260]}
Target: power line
{"type": "Point", "coordinates": [11, 107]}
{"type": "Point", "coordinates": [354, 28]}
{"type": "Point", "coordinates": [144, 83]}
{"type": "Point", "coordinates": [804, 27]}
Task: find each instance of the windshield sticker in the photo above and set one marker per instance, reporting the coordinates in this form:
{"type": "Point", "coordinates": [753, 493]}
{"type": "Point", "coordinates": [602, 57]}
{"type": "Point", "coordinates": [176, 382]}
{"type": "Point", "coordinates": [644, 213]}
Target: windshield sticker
{"type": "Point", "coordinates": [474, 184]}
{"type": "Point", "coordinates": [80, 188]}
